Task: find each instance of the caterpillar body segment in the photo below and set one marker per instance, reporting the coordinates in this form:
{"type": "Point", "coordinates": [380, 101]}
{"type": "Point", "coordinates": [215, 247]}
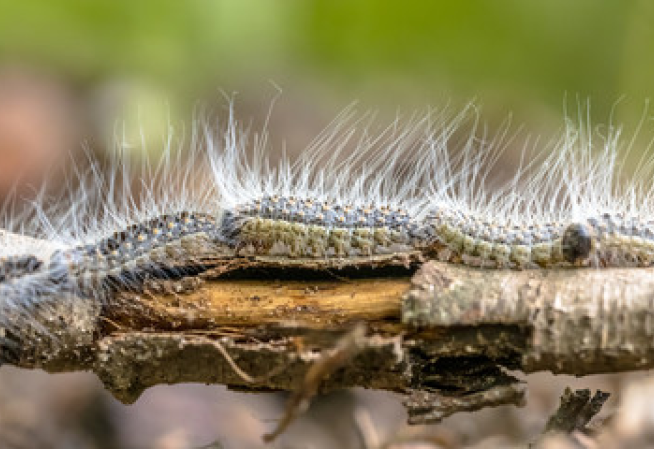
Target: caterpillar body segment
{"type": "Point", "coordinates": [141, 247]}
{"type": "Point", "coordinates": [495, 245]}
{"type": "Point", "coordinates": [616, 240]}
{"type": "Point", "coordinates": [300, 227]}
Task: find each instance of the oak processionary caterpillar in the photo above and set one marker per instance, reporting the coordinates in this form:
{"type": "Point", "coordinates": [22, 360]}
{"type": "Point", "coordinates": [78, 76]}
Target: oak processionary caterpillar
{"type": "Point", "coordinates": [353, 195]}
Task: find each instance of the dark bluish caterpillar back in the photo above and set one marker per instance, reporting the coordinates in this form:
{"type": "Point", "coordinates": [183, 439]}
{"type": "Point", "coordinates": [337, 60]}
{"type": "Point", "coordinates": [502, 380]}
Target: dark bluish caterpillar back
{"type": "Point", "coordinates": [132, 249]}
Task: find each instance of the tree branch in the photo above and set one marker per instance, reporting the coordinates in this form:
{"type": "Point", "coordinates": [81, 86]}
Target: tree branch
{"type": "Point", "coordinates": [444, 338]}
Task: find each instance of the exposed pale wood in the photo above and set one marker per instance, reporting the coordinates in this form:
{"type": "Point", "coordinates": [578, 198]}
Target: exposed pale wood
{"type": "Point", "coordinates": [253, 303]}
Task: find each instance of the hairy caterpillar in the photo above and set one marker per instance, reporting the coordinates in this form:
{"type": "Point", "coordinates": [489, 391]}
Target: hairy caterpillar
{"type": "Point", "coordinates": [351, 196]}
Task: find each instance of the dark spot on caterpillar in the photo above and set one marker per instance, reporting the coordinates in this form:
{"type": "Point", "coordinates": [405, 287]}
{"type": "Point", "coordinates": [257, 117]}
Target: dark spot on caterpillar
{"type": "Point", "coordinates": [576, 243]}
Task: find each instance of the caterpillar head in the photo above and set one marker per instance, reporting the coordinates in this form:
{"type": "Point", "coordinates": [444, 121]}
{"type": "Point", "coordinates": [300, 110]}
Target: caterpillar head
{"type": "Point", "coordinates": [577, 243]}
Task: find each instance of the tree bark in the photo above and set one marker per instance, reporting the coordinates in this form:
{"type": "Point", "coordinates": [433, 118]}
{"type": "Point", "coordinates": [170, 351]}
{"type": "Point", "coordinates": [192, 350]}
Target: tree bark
{"type": "Point", "coordinates": [444, 337]}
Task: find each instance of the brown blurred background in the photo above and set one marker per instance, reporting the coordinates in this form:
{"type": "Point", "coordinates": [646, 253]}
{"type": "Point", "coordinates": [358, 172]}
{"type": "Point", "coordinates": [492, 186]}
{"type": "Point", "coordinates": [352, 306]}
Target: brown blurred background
{"type": "Point", "coordinates": [72, 72]}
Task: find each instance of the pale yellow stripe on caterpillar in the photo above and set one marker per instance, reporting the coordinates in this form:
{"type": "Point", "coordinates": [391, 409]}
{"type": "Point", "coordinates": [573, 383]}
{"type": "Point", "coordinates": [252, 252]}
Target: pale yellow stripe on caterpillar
{"type": "Point", "coordinates": [290, 239]}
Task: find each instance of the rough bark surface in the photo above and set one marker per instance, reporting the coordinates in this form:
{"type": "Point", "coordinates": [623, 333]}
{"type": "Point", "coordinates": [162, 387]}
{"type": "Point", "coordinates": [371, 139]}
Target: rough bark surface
{"type": "Point", "coordinates": [443, 338]}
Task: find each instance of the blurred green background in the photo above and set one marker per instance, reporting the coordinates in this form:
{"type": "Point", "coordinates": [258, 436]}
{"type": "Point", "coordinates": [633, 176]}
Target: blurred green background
{"type": "Point", "coordinates": [524, 57]}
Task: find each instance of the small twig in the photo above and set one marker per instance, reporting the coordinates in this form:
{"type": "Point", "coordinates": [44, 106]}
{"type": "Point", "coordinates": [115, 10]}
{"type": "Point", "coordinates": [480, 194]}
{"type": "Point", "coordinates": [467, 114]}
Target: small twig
{"type": "Point", "coordinates": [242, 374]}
{"type": "Point", "coordinates": [366, 429]}
{"type": "Point", "coordinates": [576, 410]}
{"type": "Point", "coordinates": [346, 348]}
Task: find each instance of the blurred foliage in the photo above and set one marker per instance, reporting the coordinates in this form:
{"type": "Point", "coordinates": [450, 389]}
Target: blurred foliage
{"type": "Point", "coordinates": [511, 55]}
{"type": "Point", "coordinates": [518, 47]}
